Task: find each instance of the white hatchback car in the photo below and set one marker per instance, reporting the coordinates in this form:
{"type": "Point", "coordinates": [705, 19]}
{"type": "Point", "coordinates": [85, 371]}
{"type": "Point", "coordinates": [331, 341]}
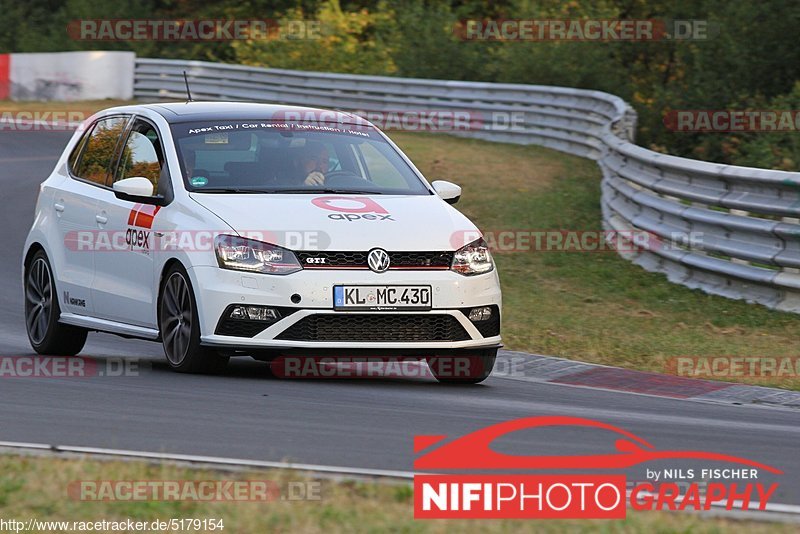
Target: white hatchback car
{"type": "Point", "coordinates": [225, 229]}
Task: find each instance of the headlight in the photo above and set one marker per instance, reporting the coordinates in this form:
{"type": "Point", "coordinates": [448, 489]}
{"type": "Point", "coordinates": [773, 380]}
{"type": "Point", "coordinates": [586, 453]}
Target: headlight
{"type": "Point", "coordinates": [473, 259]}
{"type": "Point", "coordinates": [242, 254]}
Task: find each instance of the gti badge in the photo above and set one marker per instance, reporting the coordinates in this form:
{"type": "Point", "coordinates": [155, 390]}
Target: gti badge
{"type": "Point", "coordinates": [378, 260]}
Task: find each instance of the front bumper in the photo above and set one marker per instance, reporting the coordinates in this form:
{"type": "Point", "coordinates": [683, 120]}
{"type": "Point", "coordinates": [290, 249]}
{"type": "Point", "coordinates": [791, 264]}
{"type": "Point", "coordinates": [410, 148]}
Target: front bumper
{"type": "Point", "coordinates": [216, 289]}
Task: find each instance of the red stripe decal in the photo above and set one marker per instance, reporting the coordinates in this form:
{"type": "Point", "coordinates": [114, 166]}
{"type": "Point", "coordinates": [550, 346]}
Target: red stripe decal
{"type": "Point", "coordinates": [146, 216]}
{"type": "Point", "coordinates": [133, 213]}
{"type": "Point", "coordinates": [5, 69]}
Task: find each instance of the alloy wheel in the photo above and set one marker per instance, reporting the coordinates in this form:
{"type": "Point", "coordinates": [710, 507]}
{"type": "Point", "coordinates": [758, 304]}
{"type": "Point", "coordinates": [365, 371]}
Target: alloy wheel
{"type": "Point", "coordinates": [38, 300]}
{"type": "Point", "coordinates": [176, 318]}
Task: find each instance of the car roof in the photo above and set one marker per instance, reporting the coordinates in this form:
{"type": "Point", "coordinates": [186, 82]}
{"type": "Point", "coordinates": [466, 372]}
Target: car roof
{"type": "Point", "coordinates": [176, 112]}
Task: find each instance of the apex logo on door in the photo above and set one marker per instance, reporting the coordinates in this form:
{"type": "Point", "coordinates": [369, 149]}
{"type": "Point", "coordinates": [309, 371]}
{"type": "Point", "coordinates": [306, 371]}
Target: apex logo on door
{"type": "Point", "coordinates": [352, 209]}
{"type": "Point", "coordinates": [140, 221]}
{"type": "Point", "coordinates": [142, 215]}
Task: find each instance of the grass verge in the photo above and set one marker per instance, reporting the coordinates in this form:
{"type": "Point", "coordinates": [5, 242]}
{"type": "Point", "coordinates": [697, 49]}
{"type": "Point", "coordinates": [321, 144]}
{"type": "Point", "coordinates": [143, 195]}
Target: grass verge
{"type": "Point", "coordinates": [590, 306]}
{"type": "Point", "coordinates": [37, 487]}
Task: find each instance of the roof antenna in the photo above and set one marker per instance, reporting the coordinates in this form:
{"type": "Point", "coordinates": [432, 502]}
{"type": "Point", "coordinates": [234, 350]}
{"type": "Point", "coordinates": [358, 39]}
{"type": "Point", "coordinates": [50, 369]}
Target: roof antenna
{"type": "Point", "coordinates": [188, 92]}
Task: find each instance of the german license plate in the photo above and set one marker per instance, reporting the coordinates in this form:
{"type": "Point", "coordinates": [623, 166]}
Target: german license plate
{"type": "Point", "coordinates": [382, 297]}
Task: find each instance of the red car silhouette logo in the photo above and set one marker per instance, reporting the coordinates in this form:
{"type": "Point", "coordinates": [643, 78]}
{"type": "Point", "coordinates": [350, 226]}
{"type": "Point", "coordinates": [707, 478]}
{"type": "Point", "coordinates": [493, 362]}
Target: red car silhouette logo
{"type": "Point", "coordinates": [473, 451]}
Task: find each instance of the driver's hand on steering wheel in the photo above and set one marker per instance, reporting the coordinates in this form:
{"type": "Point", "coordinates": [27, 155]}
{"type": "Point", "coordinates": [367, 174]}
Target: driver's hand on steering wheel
{"type": "Point", "coordinates": [315, 178]}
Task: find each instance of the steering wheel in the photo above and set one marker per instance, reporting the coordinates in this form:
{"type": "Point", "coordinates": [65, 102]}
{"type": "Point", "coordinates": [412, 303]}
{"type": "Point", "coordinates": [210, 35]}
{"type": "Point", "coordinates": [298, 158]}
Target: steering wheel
{"type": "Point", "coordinates": [339, 178]}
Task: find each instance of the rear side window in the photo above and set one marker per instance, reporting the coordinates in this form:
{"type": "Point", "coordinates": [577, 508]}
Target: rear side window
{"type": "Point", "coordinates": [99, 150]}
{"type": "Point", "coordinates": [76, 152]}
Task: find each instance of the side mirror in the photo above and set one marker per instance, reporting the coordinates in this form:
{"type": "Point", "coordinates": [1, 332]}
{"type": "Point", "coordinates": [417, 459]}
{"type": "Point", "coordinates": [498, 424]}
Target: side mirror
{"type": "Point", "coordinates": [136, 189]}
{"type": "Point", "coordinates": [449, 191]}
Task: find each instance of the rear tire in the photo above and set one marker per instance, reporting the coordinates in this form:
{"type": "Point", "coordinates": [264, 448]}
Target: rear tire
{"type": "Point", "coordinates": [471, 367]}
{"type": "Point", "coordinates": [42, 311]}
{"type": "Point", "coordinates": [179, 325]}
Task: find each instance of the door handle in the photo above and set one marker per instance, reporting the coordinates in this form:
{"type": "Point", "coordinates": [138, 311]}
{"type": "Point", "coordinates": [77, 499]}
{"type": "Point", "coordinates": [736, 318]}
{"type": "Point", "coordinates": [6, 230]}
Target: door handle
{"type": "Point", "coordinates": [59, 207]}
{"type": "Point", "coordinates": [101, 219]}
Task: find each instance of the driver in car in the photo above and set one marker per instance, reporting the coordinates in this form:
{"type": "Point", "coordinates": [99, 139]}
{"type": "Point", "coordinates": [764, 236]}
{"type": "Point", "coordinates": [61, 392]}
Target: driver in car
{"type": "Point", "coordinates": [314, 163]}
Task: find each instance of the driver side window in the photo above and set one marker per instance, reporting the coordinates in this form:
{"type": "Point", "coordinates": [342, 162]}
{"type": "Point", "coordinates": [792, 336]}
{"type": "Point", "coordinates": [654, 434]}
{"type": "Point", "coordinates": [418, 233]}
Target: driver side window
{"type": "Point", "coordinates": [142, 155]}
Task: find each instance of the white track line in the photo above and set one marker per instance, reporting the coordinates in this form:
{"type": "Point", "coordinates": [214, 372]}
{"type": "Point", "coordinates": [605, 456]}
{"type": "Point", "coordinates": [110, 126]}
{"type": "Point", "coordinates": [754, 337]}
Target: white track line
{"type": "Point", "coordinates": [213, 460]}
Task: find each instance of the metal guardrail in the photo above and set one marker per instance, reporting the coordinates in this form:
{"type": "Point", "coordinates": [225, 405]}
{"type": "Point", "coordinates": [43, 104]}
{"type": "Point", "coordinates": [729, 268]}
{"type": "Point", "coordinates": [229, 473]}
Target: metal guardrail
{"type": "Point", "coordinates": [728, 230]}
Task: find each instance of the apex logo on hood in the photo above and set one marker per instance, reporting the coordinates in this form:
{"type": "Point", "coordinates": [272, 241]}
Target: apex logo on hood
{"type": "Point", "coordinates": [352, 209]}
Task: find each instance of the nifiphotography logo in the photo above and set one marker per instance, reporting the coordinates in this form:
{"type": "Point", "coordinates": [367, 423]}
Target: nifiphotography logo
{"type": "Point", "coordinates": [603, 494]}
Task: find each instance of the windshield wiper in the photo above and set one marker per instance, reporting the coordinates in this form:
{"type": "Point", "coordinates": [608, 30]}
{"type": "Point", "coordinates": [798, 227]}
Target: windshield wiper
{"type": "Point", "coordinates": [235, 190]}
{"type": "Point", "coordinates": [328, 191]}
{"type": "Point", "coordinates": [352, 192]}
{"type": "Point", "coordinates": [230, 190]}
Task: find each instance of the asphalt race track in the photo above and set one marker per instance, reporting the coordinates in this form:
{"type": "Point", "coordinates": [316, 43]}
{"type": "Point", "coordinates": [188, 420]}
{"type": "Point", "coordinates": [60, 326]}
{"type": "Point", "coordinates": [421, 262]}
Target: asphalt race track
{"type": "Point", "coordinates": [367, 423]}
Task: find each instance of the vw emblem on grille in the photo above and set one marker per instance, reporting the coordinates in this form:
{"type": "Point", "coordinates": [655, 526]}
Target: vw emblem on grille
{"type": "Point", "coordinates": [378, 260]}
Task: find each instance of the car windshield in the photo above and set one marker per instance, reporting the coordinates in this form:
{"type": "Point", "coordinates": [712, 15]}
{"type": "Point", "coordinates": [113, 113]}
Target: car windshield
{"type": "Point", "coordinates": [273, 157]}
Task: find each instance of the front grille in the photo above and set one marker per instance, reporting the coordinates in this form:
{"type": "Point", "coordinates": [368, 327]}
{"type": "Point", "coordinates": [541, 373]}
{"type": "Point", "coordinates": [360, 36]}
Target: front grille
{"type": "Point", "coordinates": [421, 259]}
{"type": "Point", "coordinates": [332, 259]}
{"type": "Point", "coordinates": [358, 260]}
{"type": "Point", "coordinates": [376, 327]}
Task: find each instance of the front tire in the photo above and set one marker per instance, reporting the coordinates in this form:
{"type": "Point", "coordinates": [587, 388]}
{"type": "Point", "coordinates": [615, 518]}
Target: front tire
{"type": "Point", "coordinates": [179, 324]}
{"type": "Point", "coordinates": [470, 367]}
{"type": "Point", "coordinates": [42, 311]}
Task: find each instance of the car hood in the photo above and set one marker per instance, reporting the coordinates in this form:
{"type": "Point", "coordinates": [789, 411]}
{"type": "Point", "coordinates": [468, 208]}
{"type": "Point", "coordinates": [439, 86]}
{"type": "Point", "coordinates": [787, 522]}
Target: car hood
{"type": "Point", "coordinates": [343, 222]}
